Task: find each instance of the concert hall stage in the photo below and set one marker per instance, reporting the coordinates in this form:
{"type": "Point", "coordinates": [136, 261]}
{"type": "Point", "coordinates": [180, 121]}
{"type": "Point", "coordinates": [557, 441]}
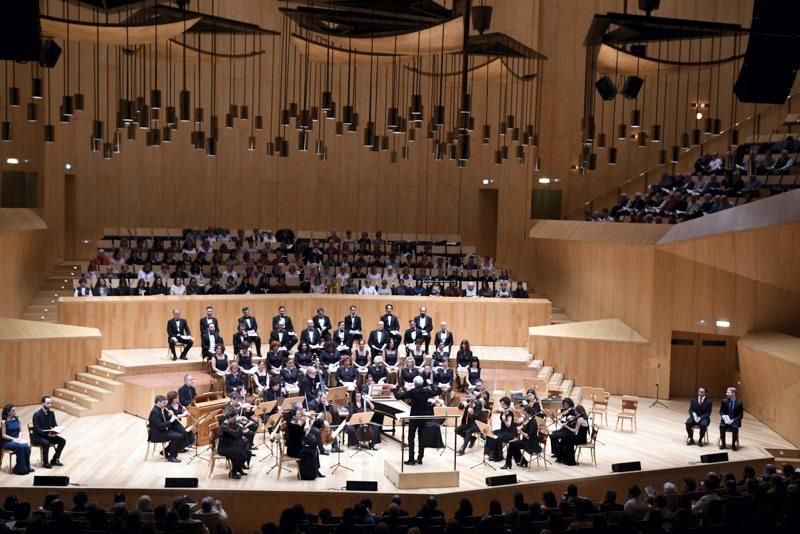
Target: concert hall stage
{"type": "Point", "coordinates": [107, 452]}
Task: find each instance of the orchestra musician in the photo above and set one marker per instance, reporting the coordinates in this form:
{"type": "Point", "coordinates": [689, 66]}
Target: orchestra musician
{"type": "Point", "coordinates": [323, 324]}
{"type": "Point", "coordinates": [528, 439]}
{"type": "Point", "coordinates": [327, 415]}
{"type": "Point", "coordinates": [251, 329]}
{"type": "Point", "coordinates": [473, 407]}
{"type": "Point", "coordinates": [300, 443]}
{"type": "Point", "coordinates": [245, 413]}
{"type": "Point", "coordinates": [418, 396]}
{"type": "Point", "coordinates": [352, 324]}
{"type": "Point", "coordinates": [506, 432]}
{"type": "Point", "coordinates": [209, 341]}
{"type": "Point", "coordinates": [178, 332]}
{"type": "Point", "coordinates": [182, 415]}
{"type": "Point", "coordinates": [187, 392]}
{"type": "Point", "coordinates": [575, 426]}
{"type": "Point", "coordinates": [310, 383]}
{"type": "Point", "coordinates": [361, 403]}
{"type": "Point", "coordinates": [532, 400]}
{"type": "Point", "coordinates": [273, 392]}
{"type": "Point", "coordinates": [160, 421]}
{"type": "Point", "coordinates": [232, 444]}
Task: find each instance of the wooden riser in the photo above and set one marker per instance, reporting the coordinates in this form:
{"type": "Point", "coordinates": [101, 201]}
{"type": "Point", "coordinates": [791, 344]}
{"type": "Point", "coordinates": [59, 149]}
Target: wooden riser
{"type": "Point", "coordinates": [78, 398]}
{"type": "Point", "coordinates": [69, 407]}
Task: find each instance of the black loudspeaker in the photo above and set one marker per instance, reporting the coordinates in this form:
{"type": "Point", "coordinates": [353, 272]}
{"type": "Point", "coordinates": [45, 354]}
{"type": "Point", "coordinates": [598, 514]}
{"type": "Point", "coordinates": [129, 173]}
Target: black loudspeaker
{"type": "Point", "coordinates": [50, 481]}
{"type": "Point", "coordinates": [178, 482]}
{"type": "Point", "coordinates": [712, 458]}
{"type": "Point", "coordinates": [50, 52]}
{"type": "Point", "coordinates": [771, 62]}
{"type": "Point", "coordinates": [605, 86]}
{"type": "Point", "coordinates": [502, 480]}
{"type": "Point", "coordinates": [20, 31]}
{"type": "Point", "coordinates": [626, 466]}
{"type": "Point", "coordinates": [631, 87]}
{"type": "Point", "coordinates": [362, 485]}
{"type": "Point", "coordinates": [648, 6]}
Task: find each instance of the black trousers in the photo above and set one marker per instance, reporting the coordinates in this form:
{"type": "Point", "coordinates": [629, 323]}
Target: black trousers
{"type": "Point", "coordinates": [414, 428]}
{"type": "Point", "coordinates": [467, 432]}
{"type": "Point", "coordinates": [703, 424]}
{"type": "Point", "coordinates": [237, 455]}
{"type": "Point", "coordinates": [734, 430]}
{"type": "Point", "coordinates": [494, 447]}
{"type": "Point", "coordinates": [186, 346]}
{"type": "Point", "coordinates": [45, 442]}
{"type": "Point", "coordinates": [515, 449]}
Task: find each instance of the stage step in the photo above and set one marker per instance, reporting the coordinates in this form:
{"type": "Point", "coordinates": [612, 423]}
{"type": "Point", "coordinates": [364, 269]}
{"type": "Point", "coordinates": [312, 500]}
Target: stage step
{"type": "Point", "coordinates": [536, 365]}
{"type": "Point", "coordinates": [555, 380]}
{"type": "Point", "coordinates": [70, 407]}
{"type": "Point", "coordinates": [99, 381]}
{"type": "Point", "coordinates": [110, 365]}
{"type": "Point", "coordinates": [576, 394]}
{"type": "Point", "coordinates": [566, 388]}
{"type": "Point", "coordinates": [105, 372]}
{"type": "Point", "coordinates": [88, 389]}
{"type": "Point", "coordinates": [48, 317]}
{"type": "Point", "coordinates": [545, 372]}
{"type": "Point", "coordinates": [74, 396]}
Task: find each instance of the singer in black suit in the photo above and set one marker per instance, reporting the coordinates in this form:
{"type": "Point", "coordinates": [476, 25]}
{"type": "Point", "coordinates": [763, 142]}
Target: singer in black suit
{"type": "Point", "coordinates": [209, 319]}
{"type": "Point", "coordinates": [342, 339]}
{"type": "Point", "coordinates": [419, 396]}
{"type": "Point", "coordinates": [43, 420]}
{"type": "Point", "coordinates": [178, 332]}
{"type": "Point", "coordinates": [323, 323]}
{"type": "Point", "coordinates": [377, 340]}
{"type": "Point", "coordinates": [313, 337]}
{"type": "Point", "coordinates": [424, 322]}
{"type": "Point", "coordinates": [352, 325]}
{"type": "Point", "coordinates": [734, 409]}
{"type": "Point", "coordinates": [281, 335]}
{"type": "Point", "coordinates": [287, 321]}
{"type": "Point", "coordinates": [251, 325]}
{"type": "Point", "coordinates": [160, 429]}
{"type": "Point", "coordinates": [209, 341]}
{"type": "Point", "coordinates": [700, 406]}
{"type": "Point", "coordinates": [391, 323]}
{"type": "Point", "coordinates": [443, 337]}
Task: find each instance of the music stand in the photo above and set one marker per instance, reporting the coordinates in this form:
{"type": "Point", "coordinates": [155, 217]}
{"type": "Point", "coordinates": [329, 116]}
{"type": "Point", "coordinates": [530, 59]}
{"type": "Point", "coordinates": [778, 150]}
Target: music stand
{"type": "Point", "coordinates": [335, 435]}
{"type": "Point", "coordinates": [197, 454]}
{"type": "Point", "coordinates": [358, 419]}
{"type": "Point", "coordinates": [275, 420]}
{"type": "Point", "coordinates": [288, 402]}
{"type": "Point", "coordinates": [338, 396]}
{"type": "Point", "coordinates": [486, 430]}
{"type": "Point", "coordinates": [445, 411]}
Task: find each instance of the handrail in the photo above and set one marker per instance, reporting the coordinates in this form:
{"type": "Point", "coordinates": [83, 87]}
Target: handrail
{"type": "Point", "coordinates": [618, 189]}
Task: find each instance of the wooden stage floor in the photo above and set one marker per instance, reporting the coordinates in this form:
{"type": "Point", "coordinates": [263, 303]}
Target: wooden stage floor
{"type": "Point", "coordinates": [108, 451]}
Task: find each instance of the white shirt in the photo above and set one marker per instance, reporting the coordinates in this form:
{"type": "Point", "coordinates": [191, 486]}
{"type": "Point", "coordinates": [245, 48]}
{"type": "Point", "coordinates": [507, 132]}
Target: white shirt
{"type": "Point", "coordinates": [177, 290]}
{"type": "Point", "coordinates": [373, 277]}
{"type": "Point", "coordinates": [147, 277]}
{"type": "Point", "coordinates": [367, 290]}
{"type": "Point", "coordinates": [471, 292]}
{"type": "Point", "coordinates": [384, 291]}
{"type": "Point", "coordinates": [233, 273]}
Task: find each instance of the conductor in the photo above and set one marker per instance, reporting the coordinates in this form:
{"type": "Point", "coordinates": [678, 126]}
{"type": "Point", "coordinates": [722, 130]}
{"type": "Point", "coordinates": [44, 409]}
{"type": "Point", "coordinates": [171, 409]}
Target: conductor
{"type": "Point", "coordinates": [419, 396]}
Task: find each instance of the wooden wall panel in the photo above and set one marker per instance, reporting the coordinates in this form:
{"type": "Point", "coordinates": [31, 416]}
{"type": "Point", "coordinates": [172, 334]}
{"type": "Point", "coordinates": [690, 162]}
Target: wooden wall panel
{"type": "Point", "coordinates": [128, 322]}
{"type": "Point", "coordinates": [683, 366]}
{"type": "Point", "coordinates": [23, 266]}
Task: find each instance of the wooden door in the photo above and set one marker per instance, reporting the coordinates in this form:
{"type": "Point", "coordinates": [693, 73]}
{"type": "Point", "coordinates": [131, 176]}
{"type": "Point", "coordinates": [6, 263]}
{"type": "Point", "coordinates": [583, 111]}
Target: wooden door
{"type": "Point", "coordinates": [716, 363]}
{"type": "Point", "coordinates": [683, 366]}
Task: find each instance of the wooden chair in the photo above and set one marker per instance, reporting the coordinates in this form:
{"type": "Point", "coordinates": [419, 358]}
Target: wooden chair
{"type": "Point", "coordinates": [705, 437]}
{"type": "Point", "coordinates": [213, 434]}
{"type": "Point", "coordinates": [540, 456]}
{"type": "Point", "coordinates": [150, 442]}
{"type": "Point", "coordinates": [179, 346]}
{"type": "Point", "coordinates": [629, 406]}
{"type": "Point", "coordinates": [10, 453]}
{"type": "Point", "coordinates": [33, 444]}
{"type": "Point", "coordinates": [599, 399]}
{"type": "Point", "coordinates": [590, 445]}
{"type": "Point", "coordinates": [284, 459]}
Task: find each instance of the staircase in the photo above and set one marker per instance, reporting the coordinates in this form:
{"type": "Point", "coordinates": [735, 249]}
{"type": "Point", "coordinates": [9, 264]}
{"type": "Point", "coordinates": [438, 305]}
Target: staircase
{"type": "Point", "coordinates": [44, 306]}
{"type": "Point", "coordinates": [94, 392]}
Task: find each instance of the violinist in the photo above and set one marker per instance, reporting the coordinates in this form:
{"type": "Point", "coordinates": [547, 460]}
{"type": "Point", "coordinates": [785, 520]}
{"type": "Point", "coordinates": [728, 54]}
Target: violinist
{"type": "Point", "coordinates": [246, 416]}
{"type": "Point", "coordinates": [326, 416]}
{"type": "Point", "coordinates": [360, 404]}
{"type": "Point", "coordinates": [528, 439]}
{"type": "Point", "coordinates": [506, 432]}
{"type": "Point", "coordinates": [301, 443]}
{"type": "Point", "coordinates": [310, 384]}
{"type": "Point", "coordinates": [472, 406]}
{"type": "Point", "coordinates": [532, 400]}
{"type": "Point", "coordinates": [233, 445]}
{"type": "Point", "coordinates": [575, 426]}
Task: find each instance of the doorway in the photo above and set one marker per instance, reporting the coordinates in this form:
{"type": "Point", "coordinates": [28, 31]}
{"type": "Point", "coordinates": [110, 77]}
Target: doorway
{"type": "Point", "coordinates": [706, 360]}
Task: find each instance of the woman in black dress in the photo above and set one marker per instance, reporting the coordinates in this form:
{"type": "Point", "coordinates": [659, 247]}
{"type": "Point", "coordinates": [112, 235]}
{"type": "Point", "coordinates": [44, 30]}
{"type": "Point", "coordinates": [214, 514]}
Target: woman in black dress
{"type": "Point", "coordinates": [301, 444]}
{"type": "Point", "coordinates": [303, 357]}
{"type": "Point", "coordinates": [346, 373]}
{"type": "Point", "coordinates": [407, 373]}
{"type": "Point", "coordinates": [528, 439]}
{"type": "Point", "coordinates": [233, 445]}
{"type": "Point", "coordinates": [574, 433]}
{"type": "Point", "coordinates": [473, 371]}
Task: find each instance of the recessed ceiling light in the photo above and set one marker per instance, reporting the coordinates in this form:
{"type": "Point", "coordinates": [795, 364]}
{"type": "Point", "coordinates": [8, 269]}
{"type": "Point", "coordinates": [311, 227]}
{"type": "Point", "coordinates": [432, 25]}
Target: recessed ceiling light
{"type": "Point", "coordinates": [723, 324]}
{"type": "Point", "coordinates": [68, 166]}
{"type": "Point", "coordinates": [486, 181]}
{"type": "Point", "coordinates": [12, 161]}
{"type": "Point", "coordinates": [544, 180]}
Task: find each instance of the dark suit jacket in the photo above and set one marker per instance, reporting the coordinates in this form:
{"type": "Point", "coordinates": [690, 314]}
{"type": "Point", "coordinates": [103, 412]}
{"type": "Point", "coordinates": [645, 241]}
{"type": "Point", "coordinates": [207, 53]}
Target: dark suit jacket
{"type": "Point", "coordinates": [209, 344]}
{"type": "Point", "coordinates": [273, 336]}
{"type": "Point", "coordinates": [253, 322]}
{"type": "Point", "coordinates": [174, 331]}
{"type": "Point", "coordinates": [341, 338]}
{"type": "Point", "coordinates": [448, 340]}
{"type": "Point", "coordinates": [373, 341]}
{"type": "Point", "coordinates": [286, 319]}
{"type": "Point", "coordinates": [159, 427]}
{"type": "Point", "coordinates": [311, 339]}
{"type": "Point", "coordinates": [204, 324]}
{"type": "Point", "coordinates": [233, 381]}
{"type": "Point", "coordinates": [419, 399]}
{"type": "Point", "coordinates": [43, 421]}
{"type": "Point", "coordinates": [308, 387]}
{"type": "Point", "coordinates": [411, 335]}
{"type": "Point", "coordinates": [704, 411]}
{"type": "Point", "coordinates": [390, 322]}
{"type": "Point", "coordinates": [428, 323]}
{"type": "Point", "coordinates": [186, 394]}
{"type": "Point", "coordinates": [238, 341]}
{"type": "Point", "coordinates": [735, 415]}
{"type": "Point", "coordinates": [352, 323]}
{"type": "Point", "coordinates": [325, 328]}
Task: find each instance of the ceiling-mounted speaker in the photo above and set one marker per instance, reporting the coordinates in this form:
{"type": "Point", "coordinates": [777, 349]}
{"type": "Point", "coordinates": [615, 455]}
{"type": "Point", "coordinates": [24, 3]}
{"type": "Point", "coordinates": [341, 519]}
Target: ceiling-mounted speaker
{"type": "Point", "coordinates": [655, 133]}
{"type": "Point", "coordinates": [605, 86]}
{"type": "Point", "coordinates": [155, 99]}
{"type": "Point", "coordinates": [631, 87]}
{"type": "Point", "coordinates": [259, 122]}
{"type": "Point", "coordinates": [49, 52]}
{"type": "Point", "coordinates": [184, 106]}
{"type": "Point", "coordinates": [481, 18]}
{"type": "Point", "coordinates": [612, 155]}
{"type": "Point", "coordinates": [49, 133]}
{"type": "Point", "coordinates": [601, 140]}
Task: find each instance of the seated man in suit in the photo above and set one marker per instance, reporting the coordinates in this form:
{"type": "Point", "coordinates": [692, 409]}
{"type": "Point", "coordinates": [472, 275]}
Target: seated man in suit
{"type": "Point", "coordinates": [178, 332]}
{"type": "Point", "coordinates": [731, 412]}
{"type": "Point", "coordinates": [444, 337]}
{"type": "Point", "coordinates": [309, 384]}
{"type": "Point", "coordinates": [251, 327]}
{"type": "Point", "coordinates": [425, 323]}
{"type": "Point", "coordinates": [43, 421]}
{"type": "Point", "coordinates": [377, 339]}
{"type": "Point", "coordinates": [209, 340]}
{"type": "Point", "coordinates": [160, 420]}
{"type": "Point", "coordinates": [287, 321]}
{"type": "Point", "coordinates": [323, 323]}
{"type": "Point", "coordinates": [282, 336]}
{"type": "Point", "coordinates": [187, 392]}
{"type": "Point", "coordinates": [699, 414]}
{"type": "Point", "coordinates": [312, 336]}
{"type": "Point", "coordinates": [341, 339]}
{"type": "Point", "coordinates": [208, 320]}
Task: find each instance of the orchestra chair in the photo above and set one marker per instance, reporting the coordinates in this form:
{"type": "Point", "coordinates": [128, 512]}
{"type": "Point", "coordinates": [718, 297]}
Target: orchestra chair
{"type": "Point", "coordinates": [719, 439]}
{"type": "Point", "coordinates": [630, 404]}
{"type": "Point", "coordinates": [213, 433]}
{"type": "Point", "coordinates": [10, 453]}
{"type": "Point", "coordinates": [590, 445]}
{"type": "Point", "coordinates": [705, 438]}
{"type": "Point", "coordinates": [599, 398]}
{"type": "Point", "coordinates": [283, 458]}
{"type": "Point", "coordinates": [541, 459]}
{"type": "Point", "coordinates": [179, 346]}
{"type": "Point", "coordinates": [40, 447]}
{"type": "Point", "coordinates": [150, 442]}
